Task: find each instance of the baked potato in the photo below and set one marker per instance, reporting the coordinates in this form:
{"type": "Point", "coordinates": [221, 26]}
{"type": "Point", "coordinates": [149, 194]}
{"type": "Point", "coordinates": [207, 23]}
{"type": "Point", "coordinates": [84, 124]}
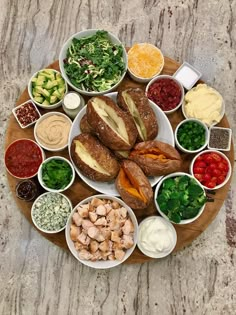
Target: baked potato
{"type": "Point", "coordinates": [156, 158]}
{"type": "Point", "coordinates": [113, 127]}
{"type": "Point", "coordinates": [136, 104]}
{"type": "Point", "coordinates": [133, 185]}
{"type": "Point", "coordinates": [93, 159]}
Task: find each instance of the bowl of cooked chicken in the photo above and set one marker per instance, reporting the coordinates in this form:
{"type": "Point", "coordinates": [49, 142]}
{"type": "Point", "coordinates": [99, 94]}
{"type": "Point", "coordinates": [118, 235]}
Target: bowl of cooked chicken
{"type": "Point", "coordinates": [101, 231]}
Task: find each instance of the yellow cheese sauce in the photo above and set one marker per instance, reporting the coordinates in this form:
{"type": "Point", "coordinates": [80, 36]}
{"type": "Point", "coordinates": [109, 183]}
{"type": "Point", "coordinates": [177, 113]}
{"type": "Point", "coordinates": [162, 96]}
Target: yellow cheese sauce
{"type": "Point", "coordinates": [145, 60]}
{"type": "Point", "coordinates": [204, 103]}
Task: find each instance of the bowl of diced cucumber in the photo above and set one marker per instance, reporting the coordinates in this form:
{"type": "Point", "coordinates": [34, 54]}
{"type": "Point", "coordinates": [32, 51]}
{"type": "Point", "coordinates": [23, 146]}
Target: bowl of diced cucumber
{"type": "Point", "coordinates": [47, 88]}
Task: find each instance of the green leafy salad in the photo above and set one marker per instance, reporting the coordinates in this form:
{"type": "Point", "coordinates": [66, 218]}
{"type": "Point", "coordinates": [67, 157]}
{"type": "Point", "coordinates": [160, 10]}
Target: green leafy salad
{"type": "Point", "coordinates": [180, 198]}
{"type": "Point", "coordinates": [93, 63]}
{"type": "Point", "coordinates": [56, 174]}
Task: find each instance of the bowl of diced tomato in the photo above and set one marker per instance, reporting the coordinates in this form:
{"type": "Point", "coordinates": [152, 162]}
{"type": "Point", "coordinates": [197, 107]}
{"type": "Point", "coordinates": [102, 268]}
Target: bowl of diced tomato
{"type": "Point", "coordinates": [211, 168]}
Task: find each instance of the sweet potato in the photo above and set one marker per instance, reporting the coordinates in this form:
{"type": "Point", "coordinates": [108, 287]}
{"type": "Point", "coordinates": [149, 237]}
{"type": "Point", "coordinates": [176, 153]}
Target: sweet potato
{"type": "Point", "coordinates": [156, 158]}
{"type": "Point", "coordinates": [133, 185]}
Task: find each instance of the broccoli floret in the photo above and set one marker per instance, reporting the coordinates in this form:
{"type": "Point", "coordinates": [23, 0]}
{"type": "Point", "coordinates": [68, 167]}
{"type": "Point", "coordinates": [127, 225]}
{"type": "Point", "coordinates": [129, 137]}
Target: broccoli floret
{"type": "Point", "coordinates": [169, 184]}
{"type": "Point", "coordinates": [194, 190]}
{"type": "Point", "coordinates": [175, 217]}
{"type": "Point", "coordinates": [183, 182]}
{"type": "Point", "coordinates": [173, 204]}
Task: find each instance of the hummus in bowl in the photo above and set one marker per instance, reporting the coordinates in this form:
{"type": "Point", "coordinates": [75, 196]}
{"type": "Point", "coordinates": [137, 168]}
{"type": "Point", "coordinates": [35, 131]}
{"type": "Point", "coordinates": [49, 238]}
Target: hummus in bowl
{"type": "Point", "coordinates": [52, 131]}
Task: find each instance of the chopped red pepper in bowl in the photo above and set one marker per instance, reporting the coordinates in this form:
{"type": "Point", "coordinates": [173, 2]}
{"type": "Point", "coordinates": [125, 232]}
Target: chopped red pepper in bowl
{"type": "Point", "coordinates": [166, 92]}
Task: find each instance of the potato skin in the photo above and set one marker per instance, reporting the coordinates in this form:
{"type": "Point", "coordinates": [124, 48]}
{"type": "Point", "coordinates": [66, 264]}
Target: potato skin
{"type": "Point", "coordinates": [146, 113]}
{"type": "Point", "coordinates": [155, 167]}
{"type": "Point", "coordinates": [143, 183]}
{"type": "Point", "coordinates": [85, 126]}
{"type": "Point", "coordinates": [104, 132]}
{"type": "Point", "coordinates": [100, 153]}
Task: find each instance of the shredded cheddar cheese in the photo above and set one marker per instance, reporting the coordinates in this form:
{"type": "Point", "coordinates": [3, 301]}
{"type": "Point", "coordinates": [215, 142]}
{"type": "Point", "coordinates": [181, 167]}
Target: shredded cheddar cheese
{"type": "Point", "coordinates": [145, 60]}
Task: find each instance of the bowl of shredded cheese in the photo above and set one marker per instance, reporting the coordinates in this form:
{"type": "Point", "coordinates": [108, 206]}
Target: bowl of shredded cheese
{"type": "Point", "coordinates": [145, 61]}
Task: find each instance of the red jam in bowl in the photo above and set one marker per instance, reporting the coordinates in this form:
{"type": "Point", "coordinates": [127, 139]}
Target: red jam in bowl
{"type": "Point", "coordinates": [166, 93]}
{"type": "Point", "coordinates": [23, 158]}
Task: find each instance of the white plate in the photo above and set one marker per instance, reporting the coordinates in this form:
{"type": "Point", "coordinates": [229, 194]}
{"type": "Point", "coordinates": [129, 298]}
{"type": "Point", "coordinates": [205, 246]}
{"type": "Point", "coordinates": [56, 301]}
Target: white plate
{"type": "Point", "coordinates": [165, 134]}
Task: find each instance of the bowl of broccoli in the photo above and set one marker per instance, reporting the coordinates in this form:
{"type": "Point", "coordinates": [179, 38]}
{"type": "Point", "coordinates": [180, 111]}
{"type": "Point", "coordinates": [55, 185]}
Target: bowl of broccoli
{"type": "Point", "coordinates": [179, 198]}
{"type": "Point", "coordinates": [93, 62]}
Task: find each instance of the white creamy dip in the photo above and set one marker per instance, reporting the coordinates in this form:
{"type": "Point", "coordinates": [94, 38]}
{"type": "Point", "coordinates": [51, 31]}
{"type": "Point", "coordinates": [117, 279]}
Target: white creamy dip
{"type": "Point", "coordinates": [157, 237]}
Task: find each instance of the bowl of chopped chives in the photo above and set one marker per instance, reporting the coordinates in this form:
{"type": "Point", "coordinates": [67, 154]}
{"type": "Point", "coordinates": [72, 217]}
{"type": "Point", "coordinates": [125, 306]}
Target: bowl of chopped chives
{"type": "Point", "coordinates": [191, 135]}
{"type": "Point", "coordinates": [50, 212]}
{"type": "Point", "coordinates": [56, 174]}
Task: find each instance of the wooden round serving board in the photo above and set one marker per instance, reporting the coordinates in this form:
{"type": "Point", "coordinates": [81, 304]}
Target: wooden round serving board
{"type": "Point", "coordinates": [79, 190]}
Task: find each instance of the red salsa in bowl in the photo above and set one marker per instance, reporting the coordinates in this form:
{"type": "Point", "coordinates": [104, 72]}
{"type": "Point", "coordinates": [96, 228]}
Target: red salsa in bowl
{"type": "Point", "coordinates": [166, 92]}
{"type": "Point", "coordinates": [23, 158]}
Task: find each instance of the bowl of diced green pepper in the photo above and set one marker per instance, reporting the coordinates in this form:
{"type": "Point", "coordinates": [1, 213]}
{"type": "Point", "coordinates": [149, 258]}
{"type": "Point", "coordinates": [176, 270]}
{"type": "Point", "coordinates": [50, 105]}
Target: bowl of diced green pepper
{"type": "Point", "coordinates": [191, 135]}
{"type": "Point", "coordinates": [47, 88]}
{"type": "Point", "coordinates": [179, 198]}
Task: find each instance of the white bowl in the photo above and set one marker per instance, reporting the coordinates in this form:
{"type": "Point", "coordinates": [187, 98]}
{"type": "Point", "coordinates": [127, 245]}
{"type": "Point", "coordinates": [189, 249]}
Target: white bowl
{"type": "Point", "coordinates": [40, 179]}
{"type": "Point", "coordinates": [34, 109]}
{"type": "Point", "coordinates": [228, 130]}
{"type": "Point", "coordinates": [40, 198]}
{"type": "Point", "coordinates": [164, 76]}
{"type": "Point", "coordinates": [40, 120]}
{"type": "Point", "coordinates": [16, 158]}
{"type": "Point", "coordinates": [221, 114]}
{"type": "Point", "coordinates": [185, 221]}
{"type": "Point", "coordinates": [142, 79]}
{"type": "Point", "coordinates": [108, 263]}
{"type": "Point", "coordinates": [221, 154]}
{"type": "Point", "coordinates": [180, 147]}
{"type": "Point", "coordinates": [63, 55]}
{"type": "Point", "coordinates": [51, 106]}
{"type": "Point", "coordinates": [171, 229]}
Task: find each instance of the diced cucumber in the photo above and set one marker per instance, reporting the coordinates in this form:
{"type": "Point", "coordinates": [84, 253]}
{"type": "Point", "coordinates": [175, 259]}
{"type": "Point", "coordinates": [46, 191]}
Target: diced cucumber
{"type": "Point", "coordinates": [61, 90]}
{"type": "Point", "coordinates": [34, 79]}
{"type": "Point", "coordinates": [50, 84]}
{"type": "Point", "coordinates": [57, 94]}
{"type": "Point", "coordinates": [35, 93]}
{"type": "Point", "coordinates": [46, 102]}
{"type": "Point", "coordinates": [39, 99]}
{"type": "Point", "coordinates": [53, 99]}
{"type": "Point", "coordinates": [60, 81]}
{"type": "Point", "coordinates": [58, 75]}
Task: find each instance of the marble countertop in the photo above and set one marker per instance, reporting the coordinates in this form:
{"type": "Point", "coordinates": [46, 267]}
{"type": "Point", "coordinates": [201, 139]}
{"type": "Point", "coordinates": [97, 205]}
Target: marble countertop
{"type": "Point", "coordinates": [37, 277]}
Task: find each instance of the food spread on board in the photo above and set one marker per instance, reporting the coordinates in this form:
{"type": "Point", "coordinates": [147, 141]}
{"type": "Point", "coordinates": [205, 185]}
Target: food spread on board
{"type": "Point", "coordinates": [118, 143]}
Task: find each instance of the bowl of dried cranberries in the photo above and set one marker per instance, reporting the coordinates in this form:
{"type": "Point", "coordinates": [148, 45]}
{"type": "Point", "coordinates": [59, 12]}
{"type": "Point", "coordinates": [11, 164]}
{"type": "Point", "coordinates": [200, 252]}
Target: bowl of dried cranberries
{"type": "Point", "coordinates": [166, 92]}
{"type": "Point", "coordinates": [211, 168]}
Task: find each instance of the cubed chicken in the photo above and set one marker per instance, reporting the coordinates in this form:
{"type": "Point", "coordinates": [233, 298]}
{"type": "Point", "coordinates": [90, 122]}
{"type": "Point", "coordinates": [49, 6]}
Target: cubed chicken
{"type": "Point", "coordinates": [77, 219]}
{"type": "Point", "coordinates": [93, 216]}
{"type": "Point", "coordinates": [86, 224]}
{"type": "Point", "coordinates": [94, 233]}
{"type": "Point", "coordinates": [101, 221]}
{"type": "Point", "coordinates": [83, 211]}
{"type": "Point", "coordinates": [115, 205]}
{"type": "Point", "coordinates": [85, 255]}
{"type": "Point", "coordinates": [83, 239]}
{"type": "Point", "coordinates": [123, 212]}
{"type": "Point", "coordinates": [96, 256]}
{"type": "Point", "coordinates": [128, 227]}
{"type": "Point", "coordinates": [115, 236]}
{"type": "Point", "coordinates": [79, 246]}
{"type": "Point", "coordinates": [106, 232]}
{"type": "Point", "coordinates": [127, 241]}
{"type": "Point", "coordinates": [101, 210]}
{"type": "Point", "coordinates": [104, 246]}
{"type": "Point", "coordinates": [97, 202]}
{"type": "Point", "coordinates": [74, 232]}
{"type": "Point", "coordinates": [119, 254]}
{"type": "Point", "coordinates": [93, 246]}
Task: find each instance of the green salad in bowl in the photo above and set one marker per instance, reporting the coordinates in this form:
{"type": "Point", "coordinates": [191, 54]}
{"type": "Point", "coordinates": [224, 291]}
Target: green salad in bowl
{"type": "Point", "coordinates": [180, 198]}
{"type": "Point", "coordinates": [93, 62]}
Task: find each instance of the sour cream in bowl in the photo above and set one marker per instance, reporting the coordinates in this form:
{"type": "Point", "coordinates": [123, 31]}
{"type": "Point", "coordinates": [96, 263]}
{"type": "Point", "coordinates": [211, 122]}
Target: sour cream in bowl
{"type": "Point", "coordinates": [156, 237]}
